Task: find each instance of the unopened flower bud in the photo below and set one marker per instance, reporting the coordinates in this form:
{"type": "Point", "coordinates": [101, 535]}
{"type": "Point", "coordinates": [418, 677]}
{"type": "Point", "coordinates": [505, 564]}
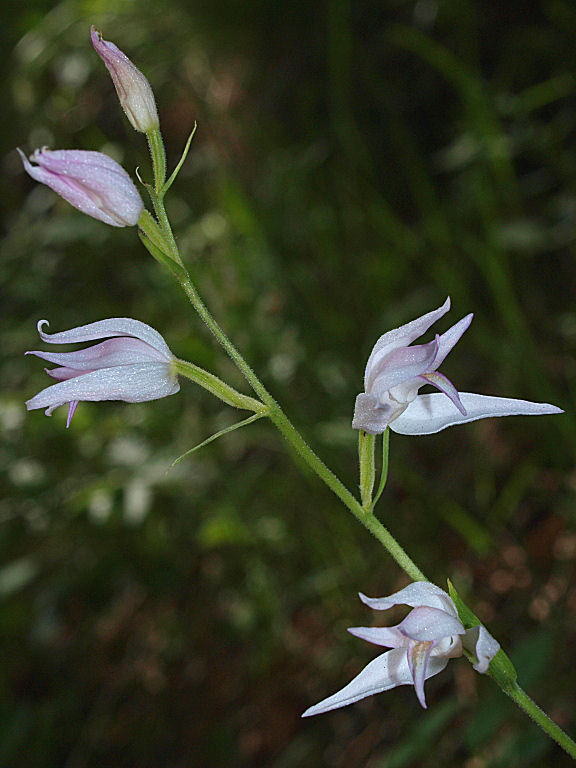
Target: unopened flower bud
{"type": "Point", "coordinates": [90, 181]}
{"type": "Point", "coordinates": [133, 89]}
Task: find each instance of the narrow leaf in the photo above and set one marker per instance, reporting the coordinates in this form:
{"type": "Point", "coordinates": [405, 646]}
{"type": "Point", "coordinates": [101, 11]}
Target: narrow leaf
{"type": "Point", "coordinates": [384, 470]}
{"type": "Point", "coordinates": [176, 170]}
{"type": "Point", "coordinates": [222, 432]}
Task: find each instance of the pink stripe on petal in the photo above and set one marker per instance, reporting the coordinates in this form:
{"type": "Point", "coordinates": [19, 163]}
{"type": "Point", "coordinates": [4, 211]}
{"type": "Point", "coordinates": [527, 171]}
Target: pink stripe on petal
{"type": "Point", "coordinates": [71, 411]}
{"type": "Point", "coordinates": [62, 374]}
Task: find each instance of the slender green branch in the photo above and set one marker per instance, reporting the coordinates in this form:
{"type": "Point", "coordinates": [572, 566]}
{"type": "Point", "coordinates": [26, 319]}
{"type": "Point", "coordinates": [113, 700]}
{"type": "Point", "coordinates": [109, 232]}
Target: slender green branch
{"type": "Point", "coordinates": [540, 717]}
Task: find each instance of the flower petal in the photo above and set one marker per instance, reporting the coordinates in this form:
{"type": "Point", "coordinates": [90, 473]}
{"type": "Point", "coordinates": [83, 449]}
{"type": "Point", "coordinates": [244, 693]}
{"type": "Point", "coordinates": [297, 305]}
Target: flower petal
{"type": "Point", "coordinates": [418, 655]}
{"type": "Point", "coordinates": [424, 624]}
{"type": "Point", "coordinates": [72, 405]}
{"type": "Point", "coordinates": [130, 383]}
{"type": "Point", "coordinates": [402, 337]}
{"type": "Point", "coordinates": [481, 643]}
{"type": "Point", "coordinates": [444, 384]}
{"type": "Point", "coordinates": [373, 417]}
{"type": "Point", "coordinates": [401, 365]}
{"type": "Point", "coordinates": [113, 326]}
{"type": "Point", "coordinates": [419, 593]}
{"type": "Point", "coordinates": [447, 340]}
{"type": "Point", "coordinates": [389, 637]}
{"type": "Point", "coordinates": [383, 673]}
{"type": "Point", "coordinates": [113, 352]}
{"type": "Point", "coordinates": [428, 414]}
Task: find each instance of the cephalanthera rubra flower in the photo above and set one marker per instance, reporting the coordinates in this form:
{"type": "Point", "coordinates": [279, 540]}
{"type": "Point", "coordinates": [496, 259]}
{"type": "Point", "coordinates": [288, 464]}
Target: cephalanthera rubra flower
{"type": "Point", "coordinates": [135, 365]}
{"type": "Point", "coordinates": [395, 372]}
{"type": "Point", "coordinates": [421, 645]}
{"type": "Point", "coordinates": [90, 181]}
{"type": "Point", "coordinates": [133, 89]}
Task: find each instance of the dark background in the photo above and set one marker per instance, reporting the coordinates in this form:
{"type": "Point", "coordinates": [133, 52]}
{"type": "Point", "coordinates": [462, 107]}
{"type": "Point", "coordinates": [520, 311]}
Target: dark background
{"type": "Point", "coordinates": [355, 162]}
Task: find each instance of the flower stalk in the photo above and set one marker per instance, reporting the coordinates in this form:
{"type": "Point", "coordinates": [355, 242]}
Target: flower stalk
{"type": "Point", "coordinates": [366, 457]}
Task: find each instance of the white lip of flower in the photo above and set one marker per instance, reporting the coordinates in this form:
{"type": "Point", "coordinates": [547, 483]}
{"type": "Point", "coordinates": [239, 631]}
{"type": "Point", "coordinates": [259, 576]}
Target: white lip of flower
{"type": "Point", "coordinates": [421, 646]}
{"type": "Point", "coordinates": [395, 371]}
{"type": "Point", "coordinates": [135, 367]}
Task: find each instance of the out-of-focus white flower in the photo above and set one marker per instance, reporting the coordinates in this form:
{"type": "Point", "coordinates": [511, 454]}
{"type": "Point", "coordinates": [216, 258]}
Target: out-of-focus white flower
{"type": "Point", "coordinates": [421, 645]}
{"type": "Point", "coordinates": [395, 371]}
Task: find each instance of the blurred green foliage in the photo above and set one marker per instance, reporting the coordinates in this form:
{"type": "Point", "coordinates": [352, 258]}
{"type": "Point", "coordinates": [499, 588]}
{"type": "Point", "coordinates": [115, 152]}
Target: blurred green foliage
{"type": "Point", "coordinates": [355, 162]}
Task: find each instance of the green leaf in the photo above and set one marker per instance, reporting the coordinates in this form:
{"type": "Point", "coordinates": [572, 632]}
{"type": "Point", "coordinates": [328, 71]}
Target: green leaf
{"type": "Point", "coordinates": [384, 470]}
{"type": "Point", "coordinates": [176, 170]}
{"type": "Point", "coordinates": [222, 432]}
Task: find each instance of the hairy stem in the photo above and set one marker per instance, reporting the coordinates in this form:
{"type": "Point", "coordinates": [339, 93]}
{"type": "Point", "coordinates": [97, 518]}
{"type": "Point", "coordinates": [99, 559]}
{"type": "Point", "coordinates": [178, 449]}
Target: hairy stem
{"type": "Point", "coordinates": [540, 717]}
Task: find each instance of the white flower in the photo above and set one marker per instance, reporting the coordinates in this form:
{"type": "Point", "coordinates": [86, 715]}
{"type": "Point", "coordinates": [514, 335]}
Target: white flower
{"type": "Point", "coordinates": [421, 645]}
{"type": "Point", "coordinates": [134, 367]}
{"type": "Point", "coordinates": [395, 372]}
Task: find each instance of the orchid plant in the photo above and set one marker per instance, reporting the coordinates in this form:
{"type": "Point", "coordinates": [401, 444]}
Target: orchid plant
{"type": "Point", "coordinates": [133, 363]}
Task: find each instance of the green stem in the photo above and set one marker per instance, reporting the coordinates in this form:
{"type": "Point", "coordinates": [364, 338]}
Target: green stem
{"type": "Point", "coordinates": [158, 154]}
{"type": "Point", "coordinates": [524, 701]}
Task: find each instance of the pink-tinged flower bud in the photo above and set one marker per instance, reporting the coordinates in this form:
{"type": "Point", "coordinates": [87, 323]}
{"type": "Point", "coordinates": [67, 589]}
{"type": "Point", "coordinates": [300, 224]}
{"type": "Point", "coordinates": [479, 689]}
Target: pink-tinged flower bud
{"type": "Point", "coordinates": [133, 89]}
{"type": "Point", "coordinates": [90, 181]}
{"type": "Point", "coordinates": [134, 364]}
